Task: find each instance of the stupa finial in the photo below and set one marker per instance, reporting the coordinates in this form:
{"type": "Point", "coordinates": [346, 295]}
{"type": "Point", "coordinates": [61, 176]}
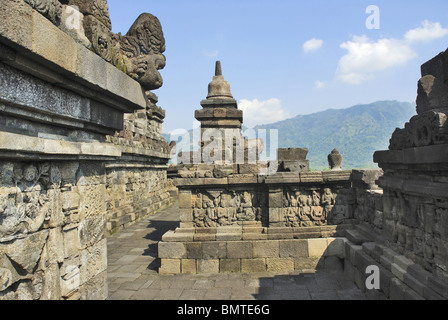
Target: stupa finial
{"type": "Point", "coordinates": [218, 69]}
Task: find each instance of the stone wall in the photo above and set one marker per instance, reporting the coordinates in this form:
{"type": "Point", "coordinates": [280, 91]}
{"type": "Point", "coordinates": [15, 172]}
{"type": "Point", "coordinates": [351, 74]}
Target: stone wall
{"type": "Point", "coordinates": [52, 240]}
{"type": "Point", "coordinates": [415, 198]}
{"type": "Point", "coordinates": [233, 222]}
{"type": "Point", "coordinates": [73, 166]}
{"type": "Point", "coordinates": [134, 192]}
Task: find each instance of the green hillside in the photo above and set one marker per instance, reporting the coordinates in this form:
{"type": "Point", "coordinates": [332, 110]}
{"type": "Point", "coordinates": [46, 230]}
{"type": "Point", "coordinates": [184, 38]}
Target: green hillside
{"type": "Point", "coordinates": [357, 132]}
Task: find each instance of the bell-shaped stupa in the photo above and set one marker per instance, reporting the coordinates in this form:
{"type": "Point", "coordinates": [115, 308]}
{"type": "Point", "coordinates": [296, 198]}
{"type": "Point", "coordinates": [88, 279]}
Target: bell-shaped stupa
{"type": "Point", "coordinates": [219, 88]}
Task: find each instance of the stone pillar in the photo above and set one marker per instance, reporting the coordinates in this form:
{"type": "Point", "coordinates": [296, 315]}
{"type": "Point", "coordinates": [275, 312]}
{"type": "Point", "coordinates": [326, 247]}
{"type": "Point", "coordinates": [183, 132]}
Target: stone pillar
{"type": "Point", "coordinates": [415, 201]}
{"type": "Point", "coordinates": [275, 206]}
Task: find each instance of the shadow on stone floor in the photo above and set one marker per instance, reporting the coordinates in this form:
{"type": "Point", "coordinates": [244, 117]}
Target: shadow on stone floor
{"type": "Point", "coordinates": [158, 229]}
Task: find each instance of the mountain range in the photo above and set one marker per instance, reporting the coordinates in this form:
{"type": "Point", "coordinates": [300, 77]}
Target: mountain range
{"type": "Point", "coordinates": [356, 132]}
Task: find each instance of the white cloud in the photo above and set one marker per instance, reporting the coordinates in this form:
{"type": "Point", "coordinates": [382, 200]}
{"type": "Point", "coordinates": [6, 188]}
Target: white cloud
{"type": "Point", "coordinates": [365, 57]}
{"type": "Point", "coordinates": [211, 54]}
{"type": "Point", "coordinates": [312, 45]}
{"type": "Point", "coordinates": [427, 32]}
{"type": "Point", "coordinates": [257, 112]}
{"type": "Point", "coordinates": [320, 84]}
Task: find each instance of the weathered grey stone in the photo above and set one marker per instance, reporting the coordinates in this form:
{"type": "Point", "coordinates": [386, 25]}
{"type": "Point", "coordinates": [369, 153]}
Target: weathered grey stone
{"type": "Point", "coordinates": [208, 265]}
{"type": "Point", "coordinates": [239, 249]}
{"type": "Point", "coordinates": [214, 250]}
{"type": "Point", "coordinates": [229, 265]}
{"type": "Point", "coordinates": [253, 265]}
{"type": "Point", "coordinates": [172, 250]}
{"type": "Point", "coordinates": [26, 252]}
{"type": "Point", "coordinates": [293, 248]}
{"type": "Point", "coordinates": [279, 264]}
{"type": "Point", "coordinates": [292, 154]}
{"type": "Point", "coordinates": [169, 266]}
{"type": "Point", "coordinates": [335, 160]}
{"type": "Point", "coordinates": [266, 249]}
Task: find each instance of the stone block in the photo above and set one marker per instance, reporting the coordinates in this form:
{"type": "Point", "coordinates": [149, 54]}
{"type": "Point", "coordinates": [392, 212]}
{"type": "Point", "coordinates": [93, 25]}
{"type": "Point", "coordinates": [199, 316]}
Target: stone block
{"type": "Point", "coordinates": [185, 199]}
{"type": "Point", "coordinates": [317, 247]}
{"type": "Point", "coordinates": [306, 177]}
{"type": "Point", "coordinates": [362, 261]}
{"type": "Point", "coordinates": [266, 249]}
{"type": "Point", "coordinates": [254, 236]}
{"type": "Point", "coordinates": [214, 250]}
{"type": "Point", "coordinates": [414, 284]}
{"type": "Point", "coordinates": [208, 265]}
{"type": "Point", "coordinates": [172, 250]}
{"type": "Point", "coordinates": [172, 236]}
{"type": "Point", "coordinates": [352, 251]}
{"type": "Point", "coordinates": [17, 27]}
{"type": "Point", "coordinates": [310, 263]}
{"type": "Point", "coordinates": [280, 236]}
{"type": "Point", "coordinates": [230, 265]}
{"type": "Point", "coordinates": [229, 229]}
{"type": "Point", "coordinates": [52, 44]}
{"type": "Point", "coordinates": [248, 169]}
{"type": "Point", "coordinates": [204, 237]}
{"type": "Point", "coordinates": [243, 179]}
{"type": "Point", "coordinates": [385, 278]}
{"type": "Point", "coordinates": [292, 153]}
{"type": "Point", "coordinates": [438, 286]}
{"type": "Point", "coordinates": [228, 236]}
{"type": "Point", "coordinates": [186, 215]}
{"type": "Point", "coordinates": [279, 264]}
{"type": "Point", "coordinates": [403, 262]}
{"type": "Point", "coordinates": [239, 249]}
{"type": "Point", "coordinates": [169, 266]}
{"type": "Point", "coordinates": [188, 266]}
{"type": "Point", "coordinates": [335, 247]}
{"type": "Point", "coordinates": [71, 281]}
{"type": "Point", "coordinates": [275, 199]}
{"type": "Point", "coordinates": [194, 250]}
{"type": "Point", "coordinates": [294, 166]}
{"type": "Point", "coordinates": [253, 265]}
{"type": "Point", "coordinates": [293, 248]}
{"type": "Point", "coordinates": [333, 264]}
{"type": "Point", "coordinates": [93, 260]}
{"type": "Point", "coordinates": [71, 243]}
{"type": "Point", "coordinates": [275, 214]}
{"type": "Point", "coordinates": [281, 230]}
{"type": "Point", "coordinates": [396, 289]}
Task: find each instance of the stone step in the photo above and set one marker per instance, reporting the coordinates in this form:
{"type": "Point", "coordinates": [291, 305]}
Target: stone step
{"type": "Point", "coordinates": [368, 232]}
{"type": "Point", "coordinates": [357, 237]}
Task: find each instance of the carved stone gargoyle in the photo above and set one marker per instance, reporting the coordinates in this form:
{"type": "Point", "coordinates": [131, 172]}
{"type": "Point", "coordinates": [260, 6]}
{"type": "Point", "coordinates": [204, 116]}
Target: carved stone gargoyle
{"type": "Point", "coordinates": [139, 53]}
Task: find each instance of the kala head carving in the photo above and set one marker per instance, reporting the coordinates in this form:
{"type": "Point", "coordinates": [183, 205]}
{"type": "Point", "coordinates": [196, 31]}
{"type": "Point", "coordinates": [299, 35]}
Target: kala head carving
{"type": "Point", "coordinates": [142, 49]}
{"type": "Point", "coordinates": [139, 53]}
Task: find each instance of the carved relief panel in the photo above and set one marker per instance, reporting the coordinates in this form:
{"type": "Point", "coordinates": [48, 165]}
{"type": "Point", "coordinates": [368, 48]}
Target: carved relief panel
{"type": "Point", "coordinates": [214, 208]}
{"type": "Point", "coordinates": [308, 207]}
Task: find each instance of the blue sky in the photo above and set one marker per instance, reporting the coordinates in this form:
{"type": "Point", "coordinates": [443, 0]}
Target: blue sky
{"type": "Point", "coordinates": [285, 58]}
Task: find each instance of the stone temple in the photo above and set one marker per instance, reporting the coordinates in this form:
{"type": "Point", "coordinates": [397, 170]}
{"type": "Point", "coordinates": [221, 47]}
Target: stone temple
{"type": "Point", "coordinates": [82, 157]}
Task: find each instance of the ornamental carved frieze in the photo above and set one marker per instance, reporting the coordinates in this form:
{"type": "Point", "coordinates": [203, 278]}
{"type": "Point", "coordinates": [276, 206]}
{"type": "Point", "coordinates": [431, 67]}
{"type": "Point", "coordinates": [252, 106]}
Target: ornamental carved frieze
{"type": "Point", "coordinates": [307, 208]}
{"type": "Point", "coordinates": [139, 53]}
{"type": "Point", "coordinates": [429, 128]}
{"type": "Point", "coordinates": [51, 9]}
{"type": "Point", "coordinates": [227, 207]}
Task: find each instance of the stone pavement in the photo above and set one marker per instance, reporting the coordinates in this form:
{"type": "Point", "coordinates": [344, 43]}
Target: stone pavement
{"type": "Point", "coordinates": [133, 265]}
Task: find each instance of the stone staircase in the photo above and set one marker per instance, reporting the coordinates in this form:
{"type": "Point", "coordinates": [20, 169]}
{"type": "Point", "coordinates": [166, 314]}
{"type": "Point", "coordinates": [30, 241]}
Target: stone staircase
{"type": "Point", "coordinates": [399, 277]}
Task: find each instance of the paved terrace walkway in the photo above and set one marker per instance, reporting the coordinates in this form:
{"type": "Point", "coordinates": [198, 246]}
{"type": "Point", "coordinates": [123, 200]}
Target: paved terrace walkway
{"type": "Point", "coordinates": [133, 265]}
